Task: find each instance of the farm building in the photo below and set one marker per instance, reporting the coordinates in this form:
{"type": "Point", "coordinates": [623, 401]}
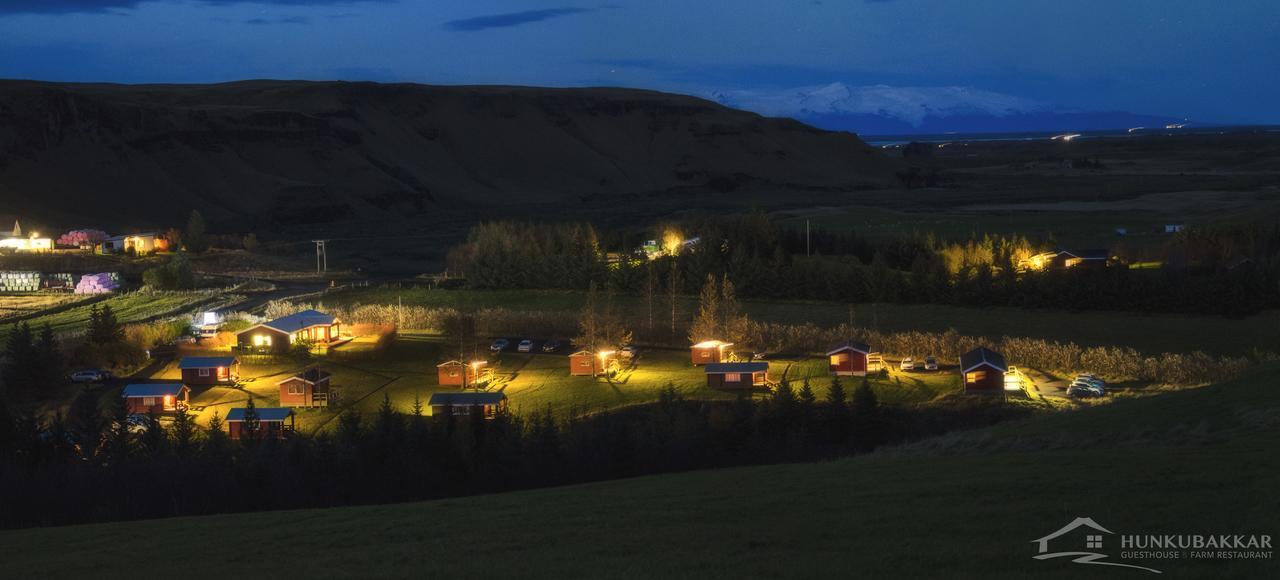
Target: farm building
{"type": "Point", "coordinates": [17, 242]}
{"type": "Point", "coordinates": [278, 335]}
{"type": "Point", "coordinates": [982, 371]}
{"type": "Point", "coordinates": [1062, 259]}
{"type": "Point", "coordinates": [742, 375]}
{"type": "Point", "coordinates": [156, 398]}
{"type": "Point", "coordinates": [709, 351]}
{"type": "Point", "coordinates": [460, 374]}
{"type": "Point", "coordinates": [589, 364]}
{"type": "Point", "coordinates": [309, 388]}
{"type": "Point", "coordinates": [209, 370]}
{"type": "Point", "coordinates": [148, 243]}
{"type": "Point", "coordinates": [273, 422]}
{"type": "Point", "coordinates": [488, 403]}
{"type": "Point", "coordinates": [850, 358]}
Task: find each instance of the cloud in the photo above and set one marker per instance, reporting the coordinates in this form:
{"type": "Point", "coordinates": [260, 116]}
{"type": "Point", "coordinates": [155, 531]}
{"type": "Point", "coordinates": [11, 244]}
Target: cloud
{"type": "Point", "coordinates": [509, 19]}
{"type": "Point", "coordinates": [281, 20]}
{"type": "Point", "coordinates": [74, 6]}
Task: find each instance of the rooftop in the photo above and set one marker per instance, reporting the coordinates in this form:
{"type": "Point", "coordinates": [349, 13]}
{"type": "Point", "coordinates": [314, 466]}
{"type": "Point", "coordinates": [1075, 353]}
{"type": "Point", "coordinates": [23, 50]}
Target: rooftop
{"type": "Point", "coordinates": [272, 414]}
{"type": "Point", "coordinates": [737, 367]}
{"type": "Point", "coordinates": [982, 355]}
{"type": "Point", "coordinates": [152, 390]}
{"type": "Point", "coordinates": [206, 362]}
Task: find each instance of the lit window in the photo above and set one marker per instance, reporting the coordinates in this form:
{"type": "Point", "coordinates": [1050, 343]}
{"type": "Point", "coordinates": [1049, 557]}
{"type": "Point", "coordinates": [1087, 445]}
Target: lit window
{"type": "Point", "coordinates": [204, 372]}
{"type": "Point", "coordinates": [732, 377]}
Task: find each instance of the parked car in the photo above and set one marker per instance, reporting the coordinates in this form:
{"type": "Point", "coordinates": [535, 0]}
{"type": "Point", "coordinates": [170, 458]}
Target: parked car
{"type": "Point", "coordinates": [628, 352]}
{"type": "Point", "coordinates": [552, 345]}
{"type": "Point", "coordinates": [907, 364]}
{"type": "Point", "coordinates": [526, 345]}
{"type": "Point", "coordinates": [500, 345]}
{"type": "Point", "coordinates": [1096, 383]}
{"type": "Point", "coordinates": [1083, 390]}
{"type": "Point", "coordinates": [930, 363]}
{"type": "Point", "coordinates": [90, 376]}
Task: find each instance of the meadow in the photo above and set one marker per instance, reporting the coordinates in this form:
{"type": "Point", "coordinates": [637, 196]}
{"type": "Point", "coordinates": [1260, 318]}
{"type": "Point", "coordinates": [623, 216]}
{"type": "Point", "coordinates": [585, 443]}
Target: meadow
{"type": "Point", "coordinates": [128, 307]}
{"type": "Point", "coordinates": [967, 505]}
{"type": "Point", "coordinates": [533, 383]}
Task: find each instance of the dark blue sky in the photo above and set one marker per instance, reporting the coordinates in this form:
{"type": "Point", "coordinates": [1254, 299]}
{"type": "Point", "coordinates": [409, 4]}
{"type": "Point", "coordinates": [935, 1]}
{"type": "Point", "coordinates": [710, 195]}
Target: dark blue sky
{"type": "Point", "coordinates": [1210, 61]}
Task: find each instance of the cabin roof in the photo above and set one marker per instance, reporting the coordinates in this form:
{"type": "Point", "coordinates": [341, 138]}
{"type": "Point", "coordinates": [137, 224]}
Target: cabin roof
{"type": "Point", "coordinates": [712, 344]}
{"type": "Point", "coordinates": [269, 414]}
{"type": "Point", "coordinates": [312, 375]}
{"type": "Point", "coordinates": [206, 362]}
{"type": "Point", "coordinates": [297, 321]}
{"type": "Point", "coordinates": [152, 390]}
{"type": "Point", "coordinates": [736, 367]}
{"type": "Point", "coordinates": [1088, 254]}
{"type": "Point", "coordinates": [861, 347]}
{"type": "Point", "coordinates": [980, 356]}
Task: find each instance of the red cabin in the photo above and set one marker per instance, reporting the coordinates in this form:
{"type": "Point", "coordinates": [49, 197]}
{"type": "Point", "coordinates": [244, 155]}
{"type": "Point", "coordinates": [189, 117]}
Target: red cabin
{"type": "Point", "coordinates": [709, 352]}
{"type": "Point", "coordinates": [459, 374]}
{"type": "Point", "coordinates": [849, 358]}
{"type": "Point", "coordinates": [585, 363]}
{"type": "Point", "coordinates": [485, 404]}
{"type": "Point", "coordinates": [982, 371]}
{"type": "Point", "coordinates": [272, 422]}
{"type": "Point", "coordinates": [209, 370]}
{"type": "Point", "coordinates": [156, 398]}
{"type": "Point", "coordinates": [743, 375]}
{"type": "Point", "coordinates": [309, 388]}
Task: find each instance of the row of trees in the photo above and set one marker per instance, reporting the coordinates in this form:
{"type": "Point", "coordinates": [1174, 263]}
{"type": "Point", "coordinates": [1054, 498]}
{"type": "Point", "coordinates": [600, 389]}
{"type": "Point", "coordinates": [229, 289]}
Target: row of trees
{"type": "Point", "coordinates": [1227, 270]}
{"type": "Point", "coordinates": [90, 466]}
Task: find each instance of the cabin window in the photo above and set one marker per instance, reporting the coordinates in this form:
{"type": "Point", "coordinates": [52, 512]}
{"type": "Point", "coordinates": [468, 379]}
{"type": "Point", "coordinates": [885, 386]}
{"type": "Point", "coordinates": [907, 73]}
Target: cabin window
{"type": "Point", "coordinates": [261, 340]}
{"type": "Point", "coordinates": [839, 359]}
{"type": "Point", "coordinates": [204, 372]}
{"type": "Point", "coordinates": [705, 353]}
{"type": "Point", "coordinates": [149, 401]}
{"type": "Point", "coordinates": [462, 410]}
{"type": "Point", "coordinates": [757, 378]}
{"type": "Point", "coordinates": [732, 377]}
{"type": "Point", "coordinates": [297, 389]}
{"type": "Point", "coordinates": [975, 376]}
{"type": "Point", "coordinates": [453, 372]}
{"type": "Point", "coordinates": [584, 362]}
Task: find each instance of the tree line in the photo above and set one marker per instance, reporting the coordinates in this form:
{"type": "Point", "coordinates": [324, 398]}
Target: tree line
{"type": "Point", "coordinates": [91, 465]}
{"type": "Point", "coordinates": [1232, 270]}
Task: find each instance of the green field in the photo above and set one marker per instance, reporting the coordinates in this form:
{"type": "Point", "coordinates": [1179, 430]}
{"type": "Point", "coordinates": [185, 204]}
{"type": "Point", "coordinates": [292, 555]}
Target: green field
{"type": "Point", "coordinates": [1150, 334]}
{"type": "Point", "coordinates": [967, 505]}
{"type": "Point", "coordinates": [532, 382]}
{"type": "Point", "coordinates": [128, 307]}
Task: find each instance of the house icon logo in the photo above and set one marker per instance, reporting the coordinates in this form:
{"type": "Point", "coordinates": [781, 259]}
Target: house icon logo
{"type": "Point", "coordinates": [1083, 546]}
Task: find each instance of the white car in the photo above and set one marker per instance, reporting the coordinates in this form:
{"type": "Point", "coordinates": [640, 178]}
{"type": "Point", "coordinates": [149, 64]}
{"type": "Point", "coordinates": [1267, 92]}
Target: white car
{"type": "Point", "coordinates": [628, 352]}
{"type": "Point", "coordinates": [907, 364]}
{"type": "Point", "coordinates": [930, 363]}
{"type": "Point", "coordinates": [526, 345]}
{"type": "Point", "coordinates": [499, 345]}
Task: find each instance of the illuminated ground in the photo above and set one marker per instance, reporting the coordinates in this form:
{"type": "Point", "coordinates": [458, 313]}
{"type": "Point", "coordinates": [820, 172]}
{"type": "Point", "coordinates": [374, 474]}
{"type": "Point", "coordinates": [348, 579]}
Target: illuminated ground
{"type": "Point", "coordinates": [532, 382]}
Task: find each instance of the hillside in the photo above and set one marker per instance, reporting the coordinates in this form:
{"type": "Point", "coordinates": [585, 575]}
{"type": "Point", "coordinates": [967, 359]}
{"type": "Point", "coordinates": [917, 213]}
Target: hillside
{"type": "Point", "coordinates": [968, 506]}
{"type": "Point", "coordinates": [282, 152]}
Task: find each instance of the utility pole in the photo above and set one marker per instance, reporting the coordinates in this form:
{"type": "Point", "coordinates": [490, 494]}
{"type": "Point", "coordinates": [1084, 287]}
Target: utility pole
{"type": "Point", "coordinates": [322, 258]}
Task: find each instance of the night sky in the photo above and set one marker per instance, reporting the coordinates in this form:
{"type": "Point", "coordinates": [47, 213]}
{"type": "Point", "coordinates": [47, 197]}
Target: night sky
{"type": "Point", "coordinates": [1214, 61]}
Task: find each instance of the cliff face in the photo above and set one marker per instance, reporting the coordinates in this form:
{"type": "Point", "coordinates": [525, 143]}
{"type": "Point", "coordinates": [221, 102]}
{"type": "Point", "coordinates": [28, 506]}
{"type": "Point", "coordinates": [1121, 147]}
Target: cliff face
{"type": "Point", "coordinates": [306, 152]}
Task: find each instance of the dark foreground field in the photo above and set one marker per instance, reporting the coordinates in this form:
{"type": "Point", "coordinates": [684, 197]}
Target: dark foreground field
{"type": "Point", "coordinates": [965, 506]}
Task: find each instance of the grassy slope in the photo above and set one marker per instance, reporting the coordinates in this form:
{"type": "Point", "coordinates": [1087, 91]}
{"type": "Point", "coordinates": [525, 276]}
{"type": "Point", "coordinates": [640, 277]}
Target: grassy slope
{"type": "Point", "coordinates": [1199, 461]}
{"type": "Point", "coordinates": [1151, 334]}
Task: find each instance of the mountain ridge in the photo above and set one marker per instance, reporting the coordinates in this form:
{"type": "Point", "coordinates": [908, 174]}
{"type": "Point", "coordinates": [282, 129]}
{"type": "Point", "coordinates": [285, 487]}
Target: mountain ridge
{"type": "Point", "coordinates": [276, 152]}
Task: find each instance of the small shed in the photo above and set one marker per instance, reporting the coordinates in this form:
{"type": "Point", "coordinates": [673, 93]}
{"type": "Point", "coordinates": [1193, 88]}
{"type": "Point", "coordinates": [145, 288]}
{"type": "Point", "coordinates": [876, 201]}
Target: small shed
{"type": "Point", "coordinates": [486, 404]}
{"type": "Point", "coordinates": [309, 388]}
{"type": "Point", "coordinates": [157, 398]}
{"type": "Point", "coordinates": [585, 363]}
{"type": "Point", "coordinates": [742, 375]}
{"type": "Point", "coordinates": [209, 370]}
{"type": "Point", "coordinates": [273, 422]}
{"type": "Point", "coordinates": [459, 374]}
{"type": "Point", "coordinates": [982, 371]}
{"type": "Point", "coordinates": [709, 352]}
{"type": "Point", "coordinates": [849, 358]}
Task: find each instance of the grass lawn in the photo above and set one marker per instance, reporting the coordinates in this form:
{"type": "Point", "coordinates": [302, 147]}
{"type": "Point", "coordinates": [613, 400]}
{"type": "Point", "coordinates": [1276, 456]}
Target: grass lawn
{"type": "Point", "coordinates": [532, 382]}
{"type": "Point", "coordinates": [1150, 334]}
{"type": "Point", "coordinates": [128, 307]}
{"type": "Point", "coordinates": [14, 306]}
{"type": "Point", "coordinates": [1204, 464]}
